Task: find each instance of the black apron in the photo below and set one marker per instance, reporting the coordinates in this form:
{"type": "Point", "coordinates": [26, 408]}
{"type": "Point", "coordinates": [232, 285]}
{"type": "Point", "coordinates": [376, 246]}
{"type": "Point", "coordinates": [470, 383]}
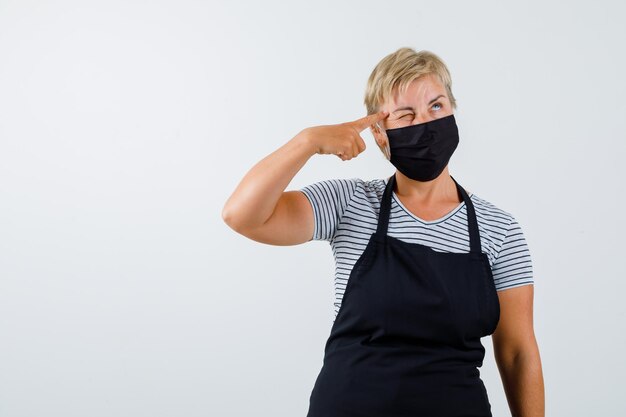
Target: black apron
{"type": "Point", "coordinates": [406, 339]}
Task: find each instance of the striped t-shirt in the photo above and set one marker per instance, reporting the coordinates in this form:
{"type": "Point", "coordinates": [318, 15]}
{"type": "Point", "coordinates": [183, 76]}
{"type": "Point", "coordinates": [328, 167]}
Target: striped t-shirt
{"type": "Point", "coordinates": [346, 214]}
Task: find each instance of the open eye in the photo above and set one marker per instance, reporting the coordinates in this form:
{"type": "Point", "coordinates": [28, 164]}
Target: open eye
{"type": "Point", "coordinates": [436, 104]}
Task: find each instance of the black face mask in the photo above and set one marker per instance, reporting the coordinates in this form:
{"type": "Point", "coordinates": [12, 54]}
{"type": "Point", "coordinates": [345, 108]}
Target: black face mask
{"type": "Point", "coordinates": [422, 151]}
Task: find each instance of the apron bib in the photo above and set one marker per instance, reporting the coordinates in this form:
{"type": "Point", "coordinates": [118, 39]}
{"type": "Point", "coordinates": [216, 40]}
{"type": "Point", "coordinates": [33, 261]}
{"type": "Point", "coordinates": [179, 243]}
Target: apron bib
{"type": "Point", "coordinates": [406, 339]}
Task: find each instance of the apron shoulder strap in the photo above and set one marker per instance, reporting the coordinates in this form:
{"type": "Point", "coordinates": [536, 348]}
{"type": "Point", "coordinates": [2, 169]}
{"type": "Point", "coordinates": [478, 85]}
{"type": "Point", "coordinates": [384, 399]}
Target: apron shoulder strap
{"type": "Point", "coordinates": [472, 222]}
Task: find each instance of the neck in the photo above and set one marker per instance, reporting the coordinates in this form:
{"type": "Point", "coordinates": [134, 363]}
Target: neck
{"type": "Point", "coordinates": [440, 189]}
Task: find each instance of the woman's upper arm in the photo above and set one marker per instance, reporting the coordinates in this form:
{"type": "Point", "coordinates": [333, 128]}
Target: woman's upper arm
{"type": "Point", "coordinates": [291, 223]}
{"type": "Point", "coordinates": [514, 279]}
{"type": "Point", "coordinates": [311, 213]}
{"type": "Point", "coordinates": [515, 331]}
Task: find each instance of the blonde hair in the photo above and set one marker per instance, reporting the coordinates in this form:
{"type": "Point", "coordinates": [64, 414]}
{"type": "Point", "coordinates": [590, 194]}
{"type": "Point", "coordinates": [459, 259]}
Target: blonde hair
{"type": "Point", "coordinates": [398, 70]}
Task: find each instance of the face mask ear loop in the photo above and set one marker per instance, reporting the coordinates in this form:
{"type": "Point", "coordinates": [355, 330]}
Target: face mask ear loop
{"type": "Point", "coordinates": [386, 150]}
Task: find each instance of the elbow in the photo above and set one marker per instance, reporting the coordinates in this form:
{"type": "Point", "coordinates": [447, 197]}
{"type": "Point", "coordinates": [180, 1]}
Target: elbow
{"type": "Point", "coordinates": [234, 219]}
{"type": "Point", "coordinates": [229, 217]}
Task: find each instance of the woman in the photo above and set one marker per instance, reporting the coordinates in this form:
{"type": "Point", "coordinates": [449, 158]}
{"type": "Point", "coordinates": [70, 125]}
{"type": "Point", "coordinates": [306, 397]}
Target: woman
{"type": "Point", "coordinates": [425, 268]}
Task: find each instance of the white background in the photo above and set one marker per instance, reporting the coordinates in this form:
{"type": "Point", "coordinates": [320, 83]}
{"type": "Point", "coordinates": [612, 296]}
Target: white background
{"type": "Point", "coordinates": [125, 125]}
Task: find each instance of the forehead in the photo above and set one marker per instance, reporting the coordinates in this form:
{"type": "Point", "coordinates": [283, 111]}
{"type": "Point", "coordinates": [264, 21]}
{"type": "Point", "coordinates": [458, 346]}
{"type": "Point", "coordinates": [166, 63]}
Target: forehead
{"type": "Point", "coordinates": [420, 90]}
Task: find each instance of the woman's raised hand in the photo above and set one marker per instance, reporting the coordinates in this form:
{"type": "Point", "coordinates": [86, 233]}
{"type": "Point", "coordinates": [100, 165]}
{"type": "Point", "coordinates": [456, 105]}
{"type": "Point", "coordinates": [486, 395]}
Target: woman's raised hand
{"type": "Point", "coordinates": [262, 210]}
{"type": "Point", "coordinates": [343, 139]}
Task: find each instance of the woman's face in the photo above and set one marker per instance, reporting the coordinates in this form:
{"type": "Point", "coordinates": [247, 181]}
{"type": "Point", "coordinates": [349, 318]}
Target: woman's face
{"type": "Point", "coordinates": [424, 100]}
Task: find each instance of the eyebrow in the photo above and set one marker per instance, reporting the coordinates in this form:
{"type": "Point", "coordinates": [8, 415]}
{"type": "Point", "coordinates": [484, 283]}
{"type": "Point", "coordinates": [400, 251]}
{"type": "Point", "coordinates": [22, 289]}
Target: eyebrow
{"type": "Point", "coordinates": [411, 108]}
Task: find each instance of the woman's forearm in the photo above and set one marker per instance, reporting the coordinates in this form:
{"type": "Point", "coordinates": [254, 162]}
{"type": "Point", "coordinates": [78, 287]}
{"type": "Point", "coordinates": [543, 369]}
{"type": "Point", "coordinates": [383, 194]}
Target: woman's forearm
{"type": "Point", "coordinates": [522, 378]}
{"type": "Point", "coordinates": [257, 194]}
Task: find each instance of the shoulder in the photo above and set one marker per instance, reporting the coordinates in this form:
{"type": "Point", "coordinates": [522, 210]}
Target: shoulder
{"type": "Point", "coordinates": [509, 253]}
{"type": "Point", "coordinates": [490, 212]}
{"type": "Point", "coordinates": [332, 197]}
{"type": "Point", "coordinates": [353, 185]}
{"type": "Point", "coordinates": [374, 187]}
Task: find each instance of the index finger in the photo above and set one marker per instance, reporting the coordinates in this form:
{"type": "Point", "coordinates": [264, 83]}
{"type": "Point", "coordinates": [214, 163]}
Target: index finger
{"type": "Point", "coordinates": [369, 120]}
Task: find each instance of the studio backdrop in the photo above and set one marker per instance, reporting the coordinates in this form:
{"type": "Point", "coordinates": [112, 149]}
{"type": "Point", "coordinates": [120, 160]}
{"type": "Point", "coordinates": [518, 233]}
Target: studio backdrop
{"type": "Point", "coordinates": [126, 125]}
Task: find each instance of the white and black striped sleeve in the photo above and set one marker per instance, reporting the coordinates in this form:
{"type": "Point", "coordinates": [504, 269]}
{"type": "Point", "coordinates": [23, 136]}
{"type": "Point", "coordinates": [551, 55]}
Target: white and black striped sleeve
{"type": "Point", "coordinates": [513, 265]}
{"type": "Point", "coordinates": [329, 199]}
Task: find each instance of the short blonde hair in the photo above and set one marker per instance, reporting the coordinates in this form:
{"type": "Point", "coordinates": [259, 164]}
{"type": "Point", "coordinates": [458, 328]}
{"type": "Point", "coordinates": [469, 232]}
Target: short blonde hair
{"type": "Point", "coordinates": [398, 70]}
